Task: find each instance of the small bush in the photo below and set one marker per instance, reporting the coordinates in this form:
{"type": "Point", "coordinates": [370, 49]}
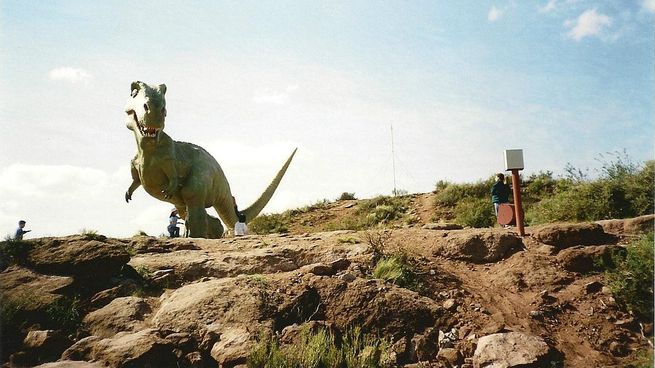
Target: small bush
{"type": "Point", "coordinates": [398, 270]}
{"type": "Point", "coordinates": [475, 212]}
{"type": "Point", "coordinates": [383, 209]}
{"type": "Point", "coordinates": [631, 281]}
{"type": "Point", "coordinates": [89, 234]}
{"type": "Point", "coordinates": [14, 251]}
{"type": "Point", "coordinates": [346, 196]}
{"type": "Point", "coordinates": [346, 223]}
{"type": "Point", "coordinates": [269, 224]}
{"type": "Point", "coordinates": [64, 314]}
{"type": "Point", "coordinates": [322, 349]}
{"type": "Point", "coordinates": [378, 242]}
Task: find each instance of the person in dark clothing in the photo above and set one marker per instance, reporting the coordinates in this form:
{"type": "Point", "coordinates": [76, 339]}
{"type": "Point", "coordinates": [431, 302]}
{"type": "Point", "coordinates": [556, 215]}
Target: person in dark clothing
{"type": "Point", "coordinates": [173, 220]}
{"type": "Point", "coordinates": [20, 231]}
{"type": "Point", "coordinates": [499, 192]}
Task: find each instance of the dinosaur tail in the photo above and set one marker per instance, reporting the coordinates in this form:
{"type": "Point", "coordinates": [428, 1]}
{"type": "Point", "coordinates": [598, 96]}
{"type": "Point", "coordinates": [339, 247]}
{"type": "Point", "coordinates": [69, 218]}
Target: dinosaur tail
{"type": "Point", "coordinates": [254, 209]}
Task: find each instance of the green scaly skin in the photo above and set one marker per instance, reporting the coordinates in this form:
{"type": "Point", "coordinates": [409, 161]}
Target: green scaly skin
{"type": "Point", "coordinates": [182, 173]}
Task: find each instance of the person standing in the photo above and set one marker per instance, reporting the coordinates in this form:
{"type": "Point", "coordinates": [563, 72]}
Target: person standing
{"type": "Point", "coordinates": [20, 231]}
{"type": "Point", "coordinates": [173, 229]}
{"type": "Point", "coordinates": [499, 192]}
{"type": "Point", "coordinates": [240, 227]}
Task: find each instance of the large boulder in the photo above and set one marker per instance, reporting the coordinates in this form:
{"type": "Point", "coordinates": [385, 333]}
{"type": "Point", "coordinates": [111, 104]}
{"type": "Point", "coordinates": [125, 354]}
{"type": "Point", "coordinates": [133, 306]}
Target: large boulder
{"type": "Point", "coordinates": [30, 291]}
{"type": "Point", "coordinates": [569, 235]}
{"type": "Point", "coordinates": [122, 314]}
{"type": "Point", "coordinates": [479, 246]}
{"type": "Point", "coordinates": [145, 348]}
{"type": "Point", "coordinates": [511, 349]}
{"type": "Point", "coordinates": [45, 345]}
{"type": "Point", "coordinates": [80, 256]}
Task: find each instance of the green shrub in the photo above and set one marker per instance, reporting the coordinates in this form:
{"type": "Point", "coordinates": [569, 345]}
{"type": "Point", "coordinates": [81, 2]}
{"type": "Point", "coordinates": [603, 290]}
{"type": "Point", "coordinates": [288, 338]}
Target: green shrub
{"type": "Point", "coordinates": [320, 349]}
{"type": "Point", "coordinates": [449, 194]}
{"type": "Point", "coordinates": [346, 196]}
{"type": "Point", "coordinates": [398, 270]}
{"type": "Point", "coordinates": [475, 212]}
{"type": "Point", "coordinates": [383, 209]}
{"type": "Point", "coordinates": [269, 224]}
{"type": "Point", "coordinates": [14, 251]}
{"type": "Point", "coordinates": [64, 314]}
{"type": "Point", "coordinates": [623, 189]}
{"type": "Point", "coordinates": [346, 223]}
{"type": "Point", "coordinates": [631, 281]}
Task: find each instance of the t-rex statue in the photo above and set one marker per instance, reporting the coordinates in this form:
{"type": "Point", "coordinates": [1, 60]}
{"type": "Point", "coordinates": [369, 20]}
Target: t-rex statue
{"type": "Point", "coordinates": [181, 173]}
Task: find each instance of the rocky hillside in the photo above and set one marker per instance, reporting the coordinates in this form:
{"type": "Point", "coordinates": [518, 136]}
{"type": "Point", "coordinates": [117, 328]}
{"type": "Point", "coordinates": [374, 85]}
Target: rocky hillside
{"type": "Point", "coordinates": [463, 297]}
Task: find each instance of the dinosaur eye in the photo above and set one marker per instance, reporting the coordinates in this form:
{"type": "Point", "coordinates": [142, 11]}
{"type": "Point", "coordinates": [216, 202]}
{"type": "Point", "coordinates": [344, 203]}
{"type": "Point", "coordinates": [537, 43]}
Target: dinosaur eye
{"type": "Point", "coordinates": [134, 92]}
{"type": "Point", "coordinates": [145, 107]}
{"type": "Point", "coordinates": [163, 111]}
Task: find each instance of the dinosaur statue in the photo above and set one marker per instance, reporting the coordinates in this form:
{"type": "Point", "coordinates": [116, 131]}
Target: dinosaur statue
{"type": "Point", "coordinates": [181, 173]}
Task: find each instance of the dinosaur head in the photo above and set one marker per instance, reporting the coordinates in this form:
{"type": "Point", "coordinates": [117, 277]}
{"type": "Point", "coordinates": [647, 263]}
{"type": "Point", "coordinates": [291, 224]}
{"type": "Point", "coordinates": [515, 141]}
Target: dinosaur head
{"type": "Point", "coordinates": [146, 110]}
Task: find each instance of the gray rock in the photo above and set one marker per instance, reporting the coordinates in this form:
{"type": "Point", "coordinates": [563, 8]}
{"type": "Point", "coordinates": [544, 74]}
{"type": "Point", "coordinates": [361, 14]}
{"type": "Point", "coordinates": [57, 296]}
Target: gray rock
{"type": "Point", "coordinates": [510, 349]}
{"type": "Point", "coordinates": [348, 277]}
{"type": "Point", "coordinates": [450, 304]}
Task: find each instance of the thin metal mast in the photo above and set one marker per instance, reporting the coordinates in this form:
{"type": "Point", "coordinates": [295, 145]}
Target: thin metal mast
{"type": "Point", "coordinates": [393, 163]}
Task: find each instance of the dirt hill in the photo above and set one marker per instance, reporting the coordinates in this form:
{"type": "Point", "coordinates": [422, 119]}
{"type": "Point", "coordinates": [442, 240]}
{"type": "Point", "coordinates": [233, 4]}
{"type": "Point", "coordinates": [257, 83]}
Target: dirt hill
{"type": "Point", "coordinates": [465, 297]}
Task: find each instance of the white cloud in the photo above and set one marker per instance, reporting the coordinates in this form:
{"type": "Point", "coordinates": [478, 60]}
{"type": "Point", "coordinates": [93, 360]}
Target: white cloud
{"type": "Point", "coordinates": [550, 6]}
{"type": "Point", "coordinates": [494, 14]}
{"type": "Point", "coordinates": [590, 23]}
{"type": "Point", "coordinates": [649, 5]}
{"type": "Point", "coordinates": [274, 97]}
{"type": "Point", "coordinates": [71, 75]}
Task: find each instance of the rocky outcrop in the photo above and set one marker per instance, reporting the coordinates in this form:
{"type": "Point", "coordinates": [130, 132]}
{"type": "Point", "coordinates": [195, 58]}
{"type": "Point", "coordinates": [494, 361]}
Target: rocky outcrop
{"type": "Point", "coordinates": [126, 349]}
{"type": "Point", "coordinates": [121, 315]}
{"type": "Point", "coordinates": [479, 246]}
{"type": "Point", "coordinates": [79, 255]}
{"type": "Point", "coordinates": [511, 349]}
{"type": "Point", "coordinates": [569, 235]}
{"type": "Point", "coordinates": [40, 346]}
{"type": "Point", "coordinates": [31, 291]}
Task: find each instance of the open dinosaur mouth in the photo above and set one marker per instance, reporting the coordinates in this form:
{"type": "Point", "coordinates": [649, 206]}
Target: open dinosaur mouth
{"type": "Point", "coordinates": [148, 132]}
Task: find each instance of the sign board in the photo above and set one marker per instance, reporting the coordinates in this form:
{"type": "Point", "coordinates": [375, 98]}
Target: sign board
{"type": "Point", "coordinates": [514, 159]}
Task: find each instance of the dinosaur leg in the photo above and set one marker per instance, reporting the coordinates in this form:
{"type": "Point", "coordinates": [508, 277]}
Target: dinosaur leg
{"type": "Point", "coordinates": [214, 228]}
{"type": "Point", "coordinates": [197, 222]}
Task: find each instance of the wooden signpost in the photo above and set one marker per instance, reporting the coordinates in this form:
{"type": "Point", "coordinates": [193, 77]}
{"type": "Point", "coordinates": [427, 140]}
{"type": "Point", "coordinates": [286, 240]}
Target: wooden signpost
{"type": "Point", "coordinates": [514, 163]}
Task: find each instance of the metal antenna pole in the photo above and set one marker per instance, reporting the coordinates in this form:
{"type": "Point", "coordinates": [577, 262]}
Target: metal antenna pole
{"type": "Point", "coordinates": [393, 163]}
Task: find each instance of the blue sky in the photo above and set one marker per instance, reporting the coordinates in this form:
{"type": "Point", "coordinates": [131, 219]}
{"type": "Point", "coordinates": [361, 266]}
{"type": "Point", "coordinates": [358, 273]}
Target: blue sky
{"type": "Point", "coordinates": [566, 80]}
